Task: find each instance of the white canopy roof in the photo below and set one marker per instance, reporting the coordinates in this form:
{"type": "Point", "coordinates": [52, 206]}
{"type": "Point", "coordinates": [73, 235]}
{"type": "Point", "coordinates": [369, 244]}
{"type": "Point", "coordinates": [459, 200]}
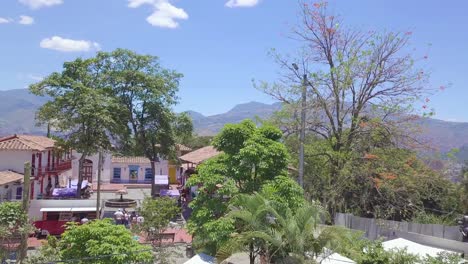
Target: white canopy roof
{"type": "Point", "coordinates": [336, 258]}
{"type": "Point", "coordinates": [413, 247]}
{"type": "Point", "coordinates": [56, 209]}
{"type": "Point", "coordinates": [201, 259]}
{"type": "Point", "coordinates": [68, 209]}
{"type": "Point", "coordinates": [83, 209]}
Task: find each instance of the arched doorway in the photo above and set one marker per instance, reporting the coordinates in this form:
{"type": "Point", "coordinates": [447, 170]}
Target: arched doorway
{"type": "Point", "coordinates": [88, 170]}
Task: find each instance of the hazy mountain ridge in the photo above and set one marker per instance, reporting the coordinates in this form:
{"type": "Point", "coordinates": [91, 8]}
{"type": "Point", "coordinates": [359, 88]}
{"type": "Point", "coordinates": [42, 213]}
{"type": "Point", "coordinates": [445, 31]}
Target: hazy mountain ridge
{"type": "Point", "coordinates": [17, 112]}
{"type": "Point", "coordinates": [442, 135]}
{"type": "Point", "coordinates": [18, 107]}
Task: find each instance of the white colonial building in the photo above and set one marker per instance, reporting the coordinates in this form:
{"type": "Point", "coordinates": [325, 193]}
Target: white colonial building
{"type": "Point", "coordinates": [50, 165]}
{"type": "Point", "coordinates": [127, 169]}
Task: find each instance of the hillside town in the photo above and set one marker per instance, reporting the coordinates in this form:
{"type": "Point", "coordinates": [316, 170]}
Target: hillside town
{"type": "Point", "coordinates": [356, 154]}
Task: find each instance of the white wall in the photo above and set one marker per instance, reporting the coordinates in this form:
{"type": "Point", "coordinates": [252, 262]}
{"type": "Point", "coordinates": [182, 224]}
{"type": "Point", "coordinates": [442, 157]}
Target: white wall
{"type": "Point", "coordinates": [106, 172]}
{"type": "Point", "coordinates": [10, 192]}
{"type": "Point", "coordinates": [161, 168]}
{"type": "Point", "coordinates": [14, 160]}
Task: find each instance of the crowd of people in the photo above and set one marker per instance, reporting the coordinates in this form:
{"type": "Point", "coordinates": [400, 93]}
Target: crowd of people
{"type": "Point", "coordinates": [122, 217]}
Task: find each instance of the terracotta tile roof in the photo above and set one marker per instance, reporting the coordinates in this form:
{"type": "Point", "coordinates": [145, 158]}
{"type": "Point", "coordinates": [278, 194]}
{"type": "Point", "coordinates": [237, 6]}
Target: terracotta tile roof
{"type": "Point", "coordinates": [183, 148]}
{"type": "Point", "coordinates": [179, 147]}
{"type": "Point", "coordinates": [7, 177]}
{"type": "Point", "coordinates": [200, 155]}
{"type": "Point", "coordinates": [131, 160]}
{"type": "Point", "coordinates": [26, 142]}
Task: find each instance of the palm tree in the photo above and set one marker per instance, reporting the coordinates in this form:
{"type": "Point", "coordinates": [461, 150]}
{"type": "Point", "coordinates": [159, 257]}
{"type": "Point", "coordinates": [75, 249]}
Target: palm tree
{"type": "Point", "coordinates": [278, 234]}
{"type": "Point", "coordinates": [252, 214]}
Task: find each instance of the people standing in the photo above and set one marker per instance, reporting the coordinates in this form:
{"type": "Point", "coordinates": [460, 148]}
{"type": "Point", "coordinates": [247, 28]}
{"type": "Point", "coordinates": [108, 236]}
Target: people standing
{"type": "Point", "coordinates": [126, 219]}
{"type": "Point", "coordinates": [118, 217]}
{"type": "Point", "coordinates": [84, 220]}
{"type": "Point", "coordinates": [140, 220]}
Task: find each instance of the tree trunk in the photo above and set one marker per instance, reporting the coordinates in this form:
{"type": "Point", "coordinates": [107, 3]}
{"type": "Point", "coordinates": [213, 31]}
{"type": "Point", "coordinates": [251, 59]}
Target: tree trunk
{"type": "Point", "coordinates": [251, 253]}
{"type": "Point", "coordinates": [153, 175]}
{"type": "Point", "coordinates": [80, 175]}
{"type": "Point", "coordinates": [26, 184]}
{"type": "Point", "coordinates": [98, 198]}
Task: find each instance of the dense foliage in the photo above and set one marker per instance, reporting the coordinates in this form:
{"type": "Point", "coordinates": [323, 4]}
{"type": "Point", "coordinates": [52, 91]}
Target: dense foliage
{"type": "Point", "coordinates": [372, 252]}
{"type": "Point", "coordinates": [14, 223]}
{"type": "Point", "coordinates": [99, 241]}
{"type": "Point", "coordinates": [269, 229]}
{"type": "Point", "coordinates": [157, 213]}
{"type": "Point", "coordinates": [381, 181]}
{"type": "Point", "coordinates": [195, 142]}
{"type": "Point", "coordinates": [252, 156]}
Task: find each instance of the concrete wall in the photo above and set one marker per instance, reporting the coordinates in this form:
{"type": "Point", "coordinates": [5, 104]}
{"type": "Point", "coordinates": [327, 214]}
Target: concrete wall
{"type": "Point", "coordinates": [375, 228]}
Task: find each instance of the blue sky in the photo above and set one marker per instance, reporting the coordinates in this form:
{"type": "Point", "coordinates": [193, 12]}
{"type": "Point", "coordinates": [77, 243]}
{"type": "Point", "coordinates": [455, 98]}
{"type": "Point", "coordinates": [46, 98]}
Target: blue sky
{"type": "Point", "coordinates": [219, 45]}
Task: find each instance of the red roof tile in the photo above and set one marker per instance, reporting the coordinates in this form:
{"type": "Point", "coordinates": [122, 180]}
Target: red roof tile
{"type": "Point", "coordinates": [200, 155]}
{"type": "Point", "coordinates": [131, 160]}
{"type": "Point", "coordinates": [26, 142]}
{"type": "Point", "coordinates": [7, 177]}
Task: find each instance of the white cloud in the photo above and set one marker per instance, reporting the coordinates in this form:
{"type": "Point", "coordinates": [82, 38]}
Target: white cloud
{"type": "Point", "coordinates": [26, 20]}
{"type": "Point", "coordinates": [164, 15]}
{"type": "Point", "coordinates": [5, 20]}
{"type": "Point", "coordinates": [68, 45]}
{"type": "Point", "coordinates": [36, 4]}
{"type": "Point", "coordinates": [35, 77]}
{"type": "Point", "coordinates": [242, 3]}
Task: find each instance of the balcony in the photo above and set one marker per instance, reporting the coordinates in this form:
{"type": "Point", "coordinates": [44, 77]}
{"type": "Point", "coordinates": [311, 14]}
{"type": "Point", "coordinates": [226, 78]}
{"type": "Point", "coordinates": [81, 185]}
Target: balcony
{"type": "Point", "coordinates": [128, 181]}
{"type": "Point", "coordinates": [57, 169]}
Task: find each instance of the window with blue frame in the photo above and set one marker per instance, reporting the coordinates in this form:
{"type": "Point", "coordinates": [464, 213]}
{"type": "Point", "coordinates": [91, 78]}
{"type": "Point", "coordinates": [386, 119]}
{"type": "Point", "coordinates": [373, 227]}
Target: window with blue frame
{"type": "Point", "coordinates": [133, 172]}
{"type": "Point", "coordinates": [117, 172]}
{"type": "Point", "coordinates": [148, 174]}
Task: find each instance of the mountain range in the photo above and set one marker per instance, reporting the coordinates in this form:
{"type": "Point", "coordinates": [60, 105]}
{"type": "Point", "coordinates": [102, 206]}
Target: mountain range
{"type": "Point", "coordinates": [18, 107]}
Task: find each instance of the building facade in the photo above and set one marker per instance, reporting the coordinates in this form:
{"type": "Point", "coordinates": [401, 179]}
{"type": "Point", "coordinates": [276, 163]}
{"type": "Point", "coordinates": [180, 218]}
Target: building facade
{"type": "Point", "coordinates": [129, 170]}
{"type": "Point", "coordinates": [53, 167]}
{"type": "Point", "coordinates": [50, 165]}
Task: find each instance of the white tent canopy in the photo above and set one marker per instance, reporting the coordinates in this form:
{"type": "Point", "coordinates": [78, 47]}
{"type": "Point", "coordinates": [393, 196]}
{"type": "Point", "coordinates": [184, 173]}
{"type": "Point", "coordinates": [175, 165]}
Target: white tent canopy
{"type": "Point", "coordinates": [201, 259]}
{"type": "Point", "coordinates": [328, 257]}
{"type": "Point", "coordinates": [413, 247]}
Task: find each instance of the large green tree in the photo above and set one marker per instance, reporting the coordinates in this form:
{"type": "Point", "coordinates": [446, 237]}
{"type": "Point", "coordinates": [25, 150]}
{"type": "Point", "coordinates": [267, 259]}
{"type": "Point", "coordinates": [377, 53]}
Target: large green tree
{"type": "Point", "coordinates": [252, 156]}
{"type": "Point", "coordinates": [157, 213]}
{"type": "Point", "coordinates": [79, 110]}
{"type": "Point", "coordinates": [146, 93]}
{"type": "Point", "coordinates": [101, 241]}
{"type": "Point", "coordinates": [350, 76]}
{"type": "Point", "coordinates": [119, 95]}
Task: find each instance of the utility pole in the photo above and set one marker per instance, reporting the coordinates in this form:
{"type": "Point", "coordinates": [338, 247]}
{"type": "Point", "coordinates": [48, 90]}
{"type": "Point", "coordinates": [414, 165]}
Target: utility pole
{"type": "Point", "coordinates": [26, 185]}
{"type": "Point", "coordinates": [302, 128]}
{"type": "Point", "coordinates": [302, 134]}
{"type": "Point", "coordinates": [98, 197]}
